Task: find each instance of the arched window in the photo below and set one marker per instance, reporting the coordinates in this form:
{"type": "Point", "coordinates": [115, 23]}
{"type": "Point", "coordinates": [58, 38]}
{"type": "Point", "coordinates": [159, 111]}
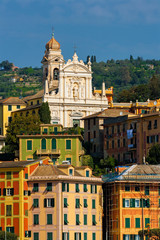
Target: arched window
{"type": "Point", "coordinates": [54, 144]}
{"type": "Point", "coordinates": [43, 144]}
{"type": "Point", "coordinates": [56, 74]}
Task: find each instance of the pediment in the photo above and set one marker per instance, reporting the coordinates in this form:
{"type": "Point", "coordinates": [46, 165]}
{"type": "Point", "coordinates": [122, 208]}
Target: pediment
{"type": "Point", "coordinates": [76, 68]}
{"type": "Point", "coordinates": [76, 114]}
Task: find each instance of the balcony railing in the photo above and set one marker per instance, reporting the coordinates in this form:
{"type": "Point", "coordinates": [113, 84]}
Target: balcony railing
{"type": "Point", "coordinates": [48, 151]}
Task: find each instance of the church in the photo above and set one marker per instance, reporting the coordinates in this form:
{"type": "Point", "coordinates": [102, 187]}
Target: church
{"type": "Point", "coordinates": [68, 87]}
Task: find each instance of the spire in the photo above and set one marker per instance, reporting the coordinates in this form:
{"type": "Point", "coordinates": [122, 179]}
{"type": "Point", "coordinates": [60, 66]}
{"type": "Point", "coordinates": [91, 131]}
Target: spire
{"type": "Point", "coordinates": [52, 32]}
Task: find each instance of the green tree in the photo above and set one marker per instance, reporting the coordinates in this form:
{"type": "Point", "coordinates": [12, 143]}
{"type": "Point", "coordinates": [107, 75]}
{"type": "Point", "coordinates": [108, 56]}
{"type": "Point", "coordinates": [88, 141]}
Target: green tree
{"type": "Point", "coordinates": [87, 160]}
{"type": "Point", "coordinates": [108, 162]}
{"type": "Point", "coordinates": [6, 65]}
{"type": "Point", "coordinates": [154, 86]}
{"type": "Point", "coordinates": [155, 232]}
{"type": "Point", "coordinates": [9, 236]}
{"type": "Point", "coordinates": [18, 126]}
{"type": "Point", "coordinates": [154, 154]}
{"type": "Point", "coordinates": [45, 113]}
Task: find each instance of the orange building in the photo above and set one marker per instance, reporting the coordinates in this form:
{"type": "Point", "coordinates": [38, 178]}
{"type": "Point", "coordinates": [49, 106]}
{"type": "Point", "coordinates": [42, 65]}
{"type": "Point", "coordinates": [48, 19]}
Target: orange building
{"type": "Point", "coordinates": [132, 201]}
{"type": "Point", "coordinates": [14, 196]}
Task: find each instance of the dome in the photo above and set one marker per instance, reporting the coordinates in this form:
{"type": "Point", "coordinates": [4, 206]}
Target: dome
{"type": "Point", "coordinates": [53, 44]}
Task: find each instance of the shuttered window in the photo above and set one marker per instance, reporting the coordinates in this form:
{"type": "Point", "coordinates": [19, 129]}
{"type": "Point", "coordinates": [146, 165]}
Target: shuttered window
{"type": "Point", "coordinates": [93, 203]}
{"type": "Point", "coordinates": [77, 219]}
{"type": "Point", "coordinates": [127, 222]}
{"type": "Point", "coordinates": [146, 190]}
{"type": "Point", "coordinates": [85, 203]}
{"type": "Point", "coordinates": [8, 210]}
{"type": "Point", "coordinates": [77, 203]}
{"type": "Point", "coordinates": [49, 219]}
{"type": "Point", "coordinates": [54, 145]}
{"type": "Point", "coordinates": [35, 219]}
{"type": "Point", "coordinates": [29, 144]}
{"type": "Point", "coordinates": [137, 222]}
{"type": "Point", "coordinates": [43, 144]}
{"type": "Point", "coordinates": [84, 187]}
{"type": "Point", "coordinates": [36, 236]}
{"type": "Point", "coordinates": [65, 203]}
{"type": "Point", "coordinates": [85, 236]}
{"type": "Point", "coordinates": [35, 203]}
{"type": "Point", "coordinates": [35, 187]}
{"type": "Point", "coordinates": [68, 144]}
{"type": "Point", "coordinates": [93, 236]}
{"type": "Point", "coordinates": [65, 219]}
{"type": "Point", "coordinates": [94, 220]}
{"type": "Point", "coordinates": [85, 219]}
{"type": "Point", "coordinates": [77, 187]}
{"type": "Point", "coordinates": [49, 236]}
{"type": "Point", "coordinates": [147, 222]}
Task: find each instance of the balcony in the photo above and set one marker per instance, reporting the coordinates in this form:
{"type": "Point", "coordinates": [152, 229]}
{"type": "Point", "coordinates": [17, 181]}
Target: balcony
{"type": "Point", "coordinates": [48, 152]}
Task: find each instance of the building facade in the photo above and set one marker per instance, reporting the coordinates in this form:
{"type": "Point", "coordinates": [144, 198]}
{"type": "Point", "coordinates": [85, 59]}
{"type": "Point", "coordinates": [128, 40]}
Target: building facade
{"type": "Point", "coordinates": [68, 87]}
{"type": "Point", "coordinates": [132, 202]}
{"type": "Point", "coordinates": [54, 142]}
{"type": "Point", "coordinates": [66, 203]}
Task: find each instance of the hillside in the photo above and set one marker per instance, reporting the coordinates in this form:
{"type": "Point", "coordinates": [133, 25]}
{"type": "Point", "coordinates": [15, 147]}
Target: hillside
{"type": "Point", "coordinates": [121, 74]}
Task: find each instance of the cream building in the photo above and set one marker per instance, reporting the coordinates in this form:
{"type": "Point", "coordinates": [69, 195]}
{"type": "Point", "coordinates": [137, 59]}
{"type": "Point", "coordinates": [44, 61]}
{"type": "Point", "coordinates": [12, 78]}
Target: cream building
{"type": "Point", "coordinates": [68, 87]}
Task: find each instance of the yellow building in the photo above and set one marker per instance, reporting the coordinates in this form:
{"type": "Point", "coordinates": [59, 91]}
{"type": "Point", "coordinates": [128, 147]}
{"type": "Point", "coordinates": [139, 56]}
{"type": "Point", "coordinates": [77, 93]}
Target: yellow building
{"type": "Point", "coordinates": [65, 203]}
{"type": "Point", "coordinates": [7, 106]}
{"type": "Point", "coordinates": [132, 201]}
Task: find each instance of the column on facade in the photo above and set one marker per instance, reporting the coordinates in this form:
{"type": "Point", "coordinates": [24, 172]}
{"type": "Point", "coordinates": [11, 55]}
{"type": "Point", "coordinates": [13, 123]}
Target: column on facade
{"type": "Point", "coordinates": [86, 88]}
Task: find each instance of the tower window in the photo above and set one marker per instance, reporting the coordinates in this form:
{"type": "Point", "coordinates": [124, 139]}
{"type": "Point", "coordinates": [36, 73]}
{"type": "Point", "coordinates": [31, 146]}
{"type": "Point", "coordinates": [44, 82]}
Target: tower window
{"type": "Point", "coordinates": [56, 74]}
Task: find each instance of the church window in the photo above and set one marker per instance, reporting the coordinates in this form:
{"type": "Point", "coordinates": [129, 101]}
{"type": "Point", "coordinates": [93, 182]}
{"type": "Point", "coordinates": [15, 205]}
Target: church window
{"type": "Point", "coordinates": [56, 74]}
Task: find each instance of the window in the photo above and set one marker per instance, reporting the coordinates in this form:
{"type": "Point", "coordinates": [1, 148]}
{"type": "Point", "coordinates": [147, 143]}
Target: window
{"type": "Point", "coordinates": [77, 187]}
{"type": "Point", "coordinates": [77, 236]}
{"type": "Point", "coordinates": [8, 210]}
{"type": "Point", "coordinates": [35, 203]}
{"type": "Point", "coordinates": [35, 187]}
{"type": "Point", "coordinates": [68, 159]}
{"type": "Point", "coordinates": [77, 219]}
{"type": "Point", "coordinates": [147, 222]}
{"type": "Point", "coordinates": [118, 129]}
{"type": "Point", "coordinates": [36, 236]}
{"type": "Point", "coordinates": [65, 235]}
{"type": "Point", "coordinates": [137, 222]}
{"type": "Point", "coordinates": [9, 191]}
{"type": "Point", "coordinates": [94, 134]}
{"type": "Point", "coordinates": [149, 125]}
{"type": "Point", "coordinates": [126, 202]}
{"type": "Point", "coordinates": [45, 130]}
{"type": "Point", "coordinates": [55, 130]}
{"type": "Point", "coordinates": [93, 236]}
{"type": "Point", "coordinates": [8, 175]}
{"type": "Point", "coordinates": [56, 74]}
{"type": "Point", "coordinates": [49, 219]}
{"type": "Point", "coordinates": [137, 188]}
{"type": "Point", "coordinates": [9, 119]}
{"type": "Point", "coordinates": [94, 121]}
{"type": "Point", "coordinates": [54, 145]}
{"type": "Point", "coordinates": [124, 127]}
{"type": "Point", "coordinates": [29, 144]}
{"type": "Point", "coordinates": [36, 219]}
{"type": "Point", "coordinates": [65, 203]}
{"type": "Point", "coordinates": [137, 203]}
{"type": "Point", "coordinates": [127, 188]}
{"type": "Point", "coordinates": [27, 233]}
{"type": "Point", "coordinates": [49, 187]}
{"type": "Point", "coordinates": [68, 144]}
{"type": "Point", "coordinates": [85, 219]}
{"type": "Point", "coordinates": [112, 129]}
{"type": "Point", "coordinates": [9, 107]}
{"type": "Point", "coordinates": [87, 173]}
{"type": "Point", "coordinates": [146, 190]}
{"type": "Point", "coordinates": [145, 202]}
{"type": "Point", "coordinates": [37, 102]}
{"type": "Point", "coordinates": [112, 143]}
{"type": "Point", "coordinates": [93, 188]}
{"type": "Point", "coordinates": [94, 220]}
{"type": "Point", "coordinates": [49, 202]}
{"type": "Point", "coordinates": [77, 203]}
{"type": "Point", "coordinates": [127, 222]}
{"type": "Point", "coordinates": [118, 143]}
{"type": "Point", "coordinates": [65, 219]}
{"type": "Point", "coordinates": [65, 187]}
{"type": "Point", "coordinates": [26, 175]}
{"type": "Point", "coordinates": [124, 142]}
{"type": "Point", "coordinates": [31, 103]}
{"type": "Point", "coordinates": [85, 236]}
{"type": "Point", "coordinates": [70, 172]}
{"type": "Point", "coordinates": [43, 144]}
{"type": "Point", "coordinates": [10, 229]}
{"type": "Point", "coordinates": [85, 203]}
{"type": "Point", "coordinates": [49, 236]}
{"type": "Point", "coordinates": [85, 188]}
{"type": "Point", "coordinates": [155, 124]}
{"type": "Point", "coordinates": [107, 145]}
{"type": "Point", "coordinates": [88, 124]}
{"type": "Point", "coordinates": [93, 203]}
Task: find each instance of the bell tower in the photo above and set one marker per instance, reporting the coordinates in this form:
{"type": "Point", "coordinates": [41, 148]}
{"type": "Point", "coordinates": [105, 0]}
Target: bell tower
{"type": "Point", "coordinates": [51, 62]}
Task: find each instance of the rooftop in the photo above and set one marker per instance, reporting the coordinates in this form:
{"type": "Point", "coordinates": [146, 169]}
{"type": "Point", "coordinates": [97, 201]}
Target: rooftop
{"type": "Point", "coordinates": [12, 100]}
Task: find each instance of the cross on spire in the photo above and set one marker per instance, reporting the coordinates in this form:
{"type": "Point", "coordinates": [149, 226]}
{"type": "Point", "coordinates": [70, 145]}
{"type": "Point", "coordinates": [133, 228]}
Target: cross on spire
{"type": "Point", "coordinates": [52, 32]}
{"type": "Point", "coordinates": [75, 48]}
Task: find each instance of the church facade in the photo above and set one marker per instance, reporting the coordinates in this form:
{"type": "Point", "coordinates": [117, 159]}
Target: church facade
{"type": "Point", "coordinates": [68, 88]}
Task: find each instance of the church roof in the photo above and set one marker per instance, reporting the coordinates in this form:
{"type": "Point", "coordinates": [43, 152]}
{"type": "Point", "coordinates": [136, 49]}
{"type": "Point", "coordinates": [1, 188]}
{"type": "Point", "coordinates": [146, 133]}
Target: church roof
{"type": "Point", "coordinates": [53, 44]}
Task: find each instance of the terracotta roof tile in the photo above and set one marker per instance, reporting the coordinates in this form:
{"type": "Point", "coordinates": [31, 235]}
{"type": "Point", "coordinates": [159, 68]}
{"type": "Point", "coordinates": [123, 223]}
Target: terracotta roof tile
{"type": "Point", "coordinates": [12, 100]}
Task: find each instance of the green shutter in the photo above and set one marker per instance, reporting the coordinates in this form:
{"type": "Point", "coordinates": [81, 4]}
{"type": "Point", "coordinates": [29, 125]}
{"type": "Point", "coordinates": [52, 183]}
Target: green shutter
{"type": "Point", "coordinates": [67, 187]}
{"type": "Point", "coordinates": [94, 220]}
{"type": "Point", "coordinates": [45, 202]}
{"type": "Point", "coordinates": [35, 203]}
{"type": "Point", "coordinates": [50, 236]}
{"type": "Point", "coordinates": [85, 203]}
{"type": "Point", "coordinates": [85, 188]}
{"type": "Point", "coordinates": [65, 219]}
{"type": "Point", "coordinates": [63, 187]}
{"type": "Point", "coordinates": [77, 219]}
{"type": "Point", "coordinates": [62, 236]}
{"type": "Point", "coordinates": [93, 236]}
{"type": "Point", "coordinates": [43, 144]}
{"type": "Point", "coordinates": [91, 188]}
{"type": "Point", "coordinates": [77, 187]}
{"type": "Point", "coordinates": [54, 145]}
{"type": "Point", "coordinates": [85, 219]}
{"type": "Point", "coordinates": [85, 236]}
{"type": "Point", "coordinates": [127, 222]}
{"type": "Point", "coordinates": [36, 236]}
{"type": "Point", "coordinates": [77, 203]}
{"type": "Point", "coordinates": [52, 202]}
{"type": "Point", "coordinates": [65, 203]}
{"type": "Point", "coordinates": [49, 218]}
{"type": "Point", "coordinates": [29, 144]}
{"type": "Point", "coordinates": [148, 203]}
{"type": "Point", "coordinates": [146, 190]}
{"type": "Point", "coordinates": [159, 190]}
{"type": "Point", "coordinates": [36, 219]}
{"type": "Point", "coordinates": [137, 222]}
{"type": "Point", "coordinates": [68, 144]}
{"type": "Point", "coordinates": [123, 202]}
{"type": "Point", "coordinates": [93, 203]}
{"type": "Point", "coordinates": [95, 188]}
{"type": "Point", "coordinates": [132, 202]}
{"type": "Point", "coordinates": [79, 236]}
{"type": "Point", "coordinates": [147, 221]}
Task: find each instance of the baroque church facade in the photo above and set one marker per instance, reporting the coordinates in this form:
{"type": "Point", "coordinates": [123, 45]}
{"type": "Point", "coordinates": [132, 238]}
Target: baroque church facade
{"type": "Point", "coordinates": [68, 87]}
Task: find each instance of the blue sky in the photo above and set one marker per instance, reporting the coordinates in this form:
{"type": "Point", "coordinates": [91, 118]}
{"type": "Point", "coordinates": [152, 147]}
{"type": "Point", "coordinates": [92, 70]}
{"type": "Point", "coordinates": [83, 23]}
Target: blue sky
{"type": "Point", "coordinates": [105, 28]}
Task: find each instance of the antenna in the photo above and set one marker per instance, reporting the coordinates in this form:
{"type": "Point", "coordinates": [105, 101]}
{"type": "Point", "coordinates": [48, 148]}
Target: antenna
{"type": "Point", "coordinates": [52, 32]}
